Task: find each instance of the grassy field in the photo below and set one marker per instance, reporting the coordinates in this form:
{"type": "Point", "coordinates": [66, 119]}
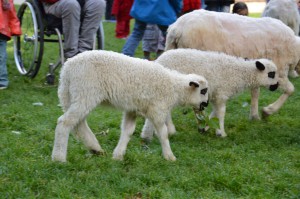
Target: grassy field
{"type": "Point", "coordinates": [258, 159]}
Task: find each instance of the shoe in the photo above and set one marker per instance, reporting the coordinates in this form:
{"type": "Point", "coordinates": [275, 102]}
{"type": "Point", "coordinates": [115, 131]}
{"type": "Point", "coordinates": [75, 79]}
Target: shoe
{"type": "Point", "coordinates": [3, 87]}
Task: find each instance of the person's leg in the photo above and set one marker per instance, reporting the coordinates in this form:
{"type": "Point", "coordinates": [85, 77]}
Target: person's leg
{"type": "Point", "coordinates": [134, 38]}
{"type": "Point", "coordinates": [121, 28]}
{"type": "Point", "coordinates": [109, 4]}
{"type": "Point", "coordinates": [3, 67]}
{"type": "Point", "coordinates": [69, 11]}
{"type": "Point", "coordinates": [93, 11]}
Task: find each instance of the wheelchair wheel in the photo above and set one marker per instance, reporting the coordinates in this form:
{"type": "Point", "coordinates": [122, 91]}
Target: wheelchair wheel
{"type": "Point", "coordinates": [28, 48]}
{"type": "Point", "coordinates": [99, 41]}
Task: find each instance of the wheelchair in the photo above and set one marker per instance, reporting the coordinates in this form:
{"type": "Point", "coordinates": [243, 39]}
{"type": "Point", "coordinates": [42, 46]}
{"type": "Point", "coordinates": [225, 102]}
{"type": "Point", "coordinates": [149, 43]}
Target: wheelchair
{"type": "Point", "coordinates": [38, 28]}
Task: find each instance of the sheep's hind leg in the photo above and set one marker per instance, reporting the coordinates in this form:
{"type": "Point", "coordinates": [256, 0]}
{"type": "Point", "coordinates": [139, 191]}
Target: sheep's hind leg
{"type": "Point", "coordinates": [65, 124]}
{"type": "Point", "coordinates": [84, 132]}
{"type": "Point", "coordinates": [147, 131]}
{"type": "Point", "coordinates": [62, 131]}
{"type": "Point", "coordinates": [127, 129]}
{"type": "Point", "coordinates": [288, 88]}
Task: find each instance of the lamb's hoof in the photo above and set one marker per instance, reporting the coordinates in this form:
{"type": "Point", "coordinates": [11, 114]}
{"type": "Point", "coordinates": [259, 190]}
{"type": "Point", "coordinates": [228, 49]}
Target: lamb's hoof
{"type": "Point", "coordinates": [220, 134]}
{"type": "Point", "coordinates": [293, 74]}
{"type": "Point", "coordinates": [170, 157]}
{"type": "Point", "coordinates": [118, 156]}
{"type": "Point", "coordinates": [96, 152]}
{"type": "Point", "coordinates": [265, 114]}
{"type": "Point", "coordinates": [203, 130]}
{"type": "Point", "coordinates": [254, 117]}
{"type": "Point", "coordinates": [146, 140]}
{"type": "Point", "coordinates": [56, 158]}
{"type": "Point", "coordinates": [147, 137]}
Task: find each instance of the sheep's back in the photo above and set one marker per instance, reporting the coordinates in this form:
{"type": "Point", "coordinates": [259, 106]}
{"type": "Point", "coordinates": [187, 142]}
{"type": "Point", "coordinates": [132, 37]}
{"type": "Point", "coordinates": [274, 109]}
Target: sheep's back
{"type": "Point", "coordinates": [236, 35]}
{"type": "Point", "coordinates": [117, 78]}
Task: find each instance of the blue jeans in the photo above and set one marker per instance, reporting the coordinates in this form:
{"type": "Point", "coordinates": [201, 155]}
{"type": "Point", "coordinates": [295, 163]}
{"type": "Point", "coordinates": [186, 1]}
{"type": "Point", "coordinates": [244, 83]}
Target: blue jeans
{"type": "Point", "coordinates": [136, 36]}
{"type": "Point", "coordinates": [3, 67]}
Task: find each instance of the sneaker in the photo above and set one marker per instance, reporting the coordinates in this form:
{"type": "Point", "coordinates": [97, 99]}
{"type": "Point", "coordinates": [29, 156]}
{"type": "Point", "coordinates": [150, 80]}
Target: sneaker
{"type": "Point", "coordinates": [3, 87]}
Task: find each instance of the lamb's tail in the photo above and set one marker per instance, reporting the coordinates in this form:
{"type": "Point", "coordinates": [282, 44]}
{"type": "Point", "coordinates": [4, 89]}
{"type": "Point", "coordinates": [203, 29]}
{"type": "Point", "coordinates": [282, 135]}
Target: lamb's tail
{"type": "Point", "coordinates": [173, 37]}
{"type": "Point", "coordinates": [63, 92]}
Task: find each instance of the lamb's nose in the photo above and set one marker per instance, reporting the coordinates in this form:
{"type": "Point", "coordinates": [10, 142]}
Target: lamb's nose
{"type": "Point", "coordinates": [203, 105]}
{"type": "Point", "coordinates": [274, 87]}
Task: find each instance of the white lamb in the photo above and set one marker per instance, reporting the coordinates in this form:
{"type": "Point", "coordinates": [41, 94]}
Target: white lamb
{"type": "Point", "coordinates": [134, 85]}
{"type": "Point", "coordinates": [227, 75]}
{"type": "Point", "coordinates": [284, 10]}
{"type": "Point", "coordinates": [241, 36]}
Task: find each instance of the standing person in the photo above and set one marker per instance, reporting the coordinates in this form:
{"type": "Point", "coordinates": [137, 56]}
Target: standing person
{"type": "Point", "coordinates": [240, 8]}
{"type": "Point", "coordinates": [218, 5]}
{"type": "Point", "coordinates": [108, 9]}
{"type": "Point", "coordinates": [160, 12]}
{"type": "Point", "coordinates": [153, 41]}
{"type": "Point", "coordinates": [121, 9]}
{"type": "Point", "coordinates": [190, 5]}
{"type": "Point", "coordinates": [78, 33]}
{"type": "Point", "coordinates": [9, 26]}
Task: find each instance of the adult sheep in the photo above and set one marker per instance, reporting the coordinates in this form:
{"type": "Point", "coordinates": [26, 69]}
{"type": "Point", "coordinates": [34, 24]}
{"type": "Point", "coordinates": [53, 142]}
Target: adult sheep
{"type": "Point", "coordinates": [284, 10]}
{"type": "Point", "coordinates": [287, 12]}
{"type": "Point", "coordinates": [227, 76]}
{"type": "Point", "coordinates": [241, 36]}
{"type": "Point", "coordinates": [134, 85]}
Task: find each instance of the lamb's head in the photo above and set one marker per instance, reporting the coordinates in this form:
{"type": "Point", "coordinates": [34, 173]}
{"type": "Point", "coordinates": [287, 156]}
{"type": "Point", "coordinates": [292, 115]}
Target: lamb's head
{"type": "Point", "coordinates": [198, 92]}
{"type": "Point", "coordinates": [267, 74]}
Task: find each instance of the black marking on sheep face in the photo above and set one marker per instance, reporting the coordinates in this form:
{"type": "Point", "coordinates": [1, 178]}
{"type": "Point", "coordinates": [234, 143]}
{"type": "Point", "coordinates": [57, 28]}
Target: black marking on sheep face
{"type": "Point", "coordinates": [203, 105]}
{"type": "Point", "coordinates": [259, 66]}
{"type": "Point", "coordinates": [203, 91]}
{"type": "Point", "coordinates": [271, 74]}
{"type": "Point", "coordinates": [274, 87]}
{"type": "Point", "coordinates": [195, 84]}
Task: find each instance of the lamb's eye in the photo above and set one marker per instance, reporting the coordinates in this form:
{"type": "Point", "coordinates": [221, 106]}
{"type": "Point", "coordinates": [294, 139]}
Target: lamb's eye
{"type": "Point", "coordinates": [203, 91]}
{"type": "Point", "coordinates": [271, 74]}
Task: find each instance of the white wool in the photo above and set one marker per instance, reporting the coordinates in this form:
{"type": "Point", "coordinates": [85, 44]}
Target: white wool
{"type": "Point", "coordinates": [241, 36]}
{"type": "Point", "coordinates": [134, 85]}
{"type": "Point", "coordinates": [284, 10]}
{"type": "Point", "coordinates": [227, 75]}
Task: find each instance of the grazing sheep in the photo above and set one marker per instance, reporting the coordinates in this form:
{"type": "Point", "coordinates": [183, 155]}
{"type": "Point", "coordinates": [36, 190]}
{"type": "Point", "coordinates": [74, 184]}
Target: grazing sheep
{"type": "Point", "coordinates": [284, 10]}
{"type": "Point", "coordinates": [241, 36]}
{"type": "Point", "coordinates": [227, 75]}
{"type": "Point", "coordinates": [134, 85]}
{"type": "Point", "coordinates": [287, 12]}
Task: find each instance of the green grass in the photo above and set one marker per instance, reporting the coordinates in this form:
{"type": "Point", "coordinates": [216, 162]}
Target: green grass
{"type": "Point", "coordinates": [258, 159]}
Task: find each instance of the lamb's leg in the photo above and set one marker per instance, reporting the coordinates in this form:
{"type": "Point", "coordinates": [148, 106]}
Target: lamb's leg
{"type": "Point", "coordinates": [84, 132]}
{"type": "Point", "coordinates": [127, 129]}
{"type": "Point", "coordinates": [288, 89]}
{"type": "Point", "coordinates": [62, 131]}
{"type": "Point", "coordinates": [148, 130]}
{"type": "Point", "coordinates": [170, 125]}
{"type": "Point", "coordinates": [66, 123]}
{"type": "Point", "coordinates": [220, 110]}
{"type": "Point", "coordinates": [162, 134]}
{"type": "Point", "coordinates": [254, 104]}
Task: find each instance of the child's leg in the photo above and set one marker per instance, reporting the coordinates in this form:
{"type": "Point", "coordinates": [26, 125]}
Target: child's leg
{"type": "Point", "coordinates": [3, 67]}
{"type": "Point", "coordinates": [147, 55]}
{"type": "Point", "coordinates": [121, 31]}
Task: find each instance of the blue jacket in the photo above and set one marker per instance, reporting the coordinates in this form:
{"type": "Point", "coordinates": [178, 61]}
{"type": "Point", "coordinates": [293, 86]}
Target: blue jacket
{"type": "Point", "coordinates": [161, 12]}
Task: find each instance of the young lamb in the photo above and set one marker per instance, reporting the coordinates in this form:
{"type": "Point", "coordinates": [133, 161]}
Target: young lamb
{"type": "Point", "coordinates": [134, 85]}
{"type": "Point", "coordinates": [241, 36]}
{"type": "Point", "coordinates": [284, 10]}
{"type": "Point", "coordinates": [227, 75]}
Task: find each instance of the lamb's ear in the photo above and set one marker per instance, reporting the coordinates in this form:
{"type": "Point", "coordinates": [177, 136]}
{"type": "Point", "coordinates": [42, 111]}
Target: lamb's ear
{"type": "Point", "coordinates": [194, 84]}
{"type": "Point", "coordinates": [259, 66]}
